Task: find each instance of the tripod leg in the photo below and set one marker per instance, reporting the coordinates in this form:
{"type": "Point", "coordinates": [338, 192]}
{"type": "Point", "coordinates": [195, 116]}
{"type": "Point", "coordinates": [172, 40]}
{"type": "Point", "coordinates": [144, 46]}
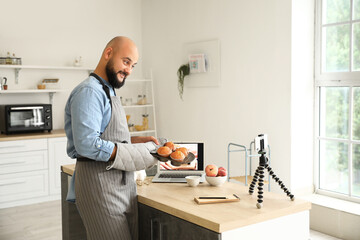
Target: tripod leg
{"type": "Point", "coordinates": [253, 182]}
{"type": "Point", "coordinates": [282, 185]}
{"type": "Point", "coordinates": [260, 187]}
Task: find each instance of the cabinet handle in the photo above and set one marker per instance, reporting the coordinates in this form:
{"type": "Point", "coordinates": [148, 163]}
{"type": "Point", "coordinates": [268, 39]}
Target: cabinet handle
{"type": "Point", "coordinates": [11, 163]}
{"type": "Point", "coordinates": [162, 231]}
{"type": "Point", "coordinates": [153, 223]}
{"type": "Point", "coordinates": [13, 183]}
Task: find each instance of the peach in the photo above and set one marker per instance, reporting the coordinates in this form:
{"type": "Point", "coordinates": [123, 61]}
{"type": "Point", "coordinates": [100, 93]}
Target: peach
{"type": "Point", "coordinates": [221, 172]}
{"type": "Point", "coordinates": [211, 170]}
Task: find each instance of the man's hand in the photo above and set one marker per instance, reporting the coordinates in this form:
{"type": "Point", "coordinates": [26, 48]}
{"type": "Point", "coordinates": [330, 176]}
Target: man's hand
{"type": "Point", "coordinates": [144, 139]}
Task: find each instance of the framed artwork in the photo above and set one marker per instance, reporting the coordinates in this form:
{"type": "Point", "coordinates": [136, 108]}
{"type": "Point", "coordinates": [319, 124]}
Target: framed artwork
{"type": "Point", "coordinates": [204, 62]}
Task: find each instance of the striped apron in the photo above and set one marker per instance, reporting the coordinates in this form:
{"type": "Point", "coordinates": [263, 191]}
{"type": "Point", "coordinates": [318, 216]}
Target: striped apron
{"type": "Point", "coordinates": [107, 199]}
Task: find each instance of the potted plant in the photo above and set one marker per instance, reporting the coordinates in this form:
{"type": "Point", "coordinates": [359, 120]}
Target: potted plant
{"type": "Point", "coordinates": [183, 71]}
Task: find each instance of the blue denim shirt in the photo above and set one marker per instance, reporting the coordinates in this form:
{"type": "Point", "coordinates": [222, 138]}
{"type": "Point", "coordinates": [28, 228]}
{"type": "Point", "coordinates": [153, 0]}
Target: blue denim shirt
{"type": "Point", "coordinates": [87, 113]}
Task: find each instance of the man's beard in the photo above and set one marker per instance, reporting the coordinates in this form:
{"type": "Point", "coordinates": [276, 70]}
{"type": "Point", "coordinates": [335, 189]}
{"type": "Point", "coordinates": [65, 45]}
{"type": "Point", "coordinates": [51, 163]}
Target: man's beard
{"type": "Point", "coordinates": [112, 76]}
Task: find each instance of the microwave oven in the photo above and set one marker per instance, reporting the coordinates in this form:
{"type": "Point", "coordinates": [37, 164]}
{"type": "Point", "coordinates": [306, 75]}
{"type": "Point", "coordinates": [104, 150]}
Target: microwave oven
{"type": "Point", "coordinates": [22, 118]}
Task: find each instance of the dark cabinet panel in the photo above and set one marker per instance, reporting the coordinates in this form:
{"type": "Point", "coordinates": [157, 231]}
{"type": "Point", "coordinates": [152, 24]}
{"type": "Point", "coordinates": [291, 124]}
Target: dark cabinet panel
{"type": "Point", "coordinates": [158, 225]}
{"type": "Point", "coordinates": [72, 225]}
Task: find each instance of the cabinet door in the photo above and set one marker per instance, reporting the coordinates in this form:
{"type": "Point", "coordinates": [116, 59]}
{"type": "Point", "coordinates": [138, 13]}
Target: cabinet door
{"type": "Point", "coordinates": [23, 161]}
{"type": "Point", "coordinates": [57, 157]}
{"type": "Point", "coordinates": [23, 145]}
{"type": "Point", "coordinates": [26, 185]}
{"type": "Point", "coordinates": [157, 225]}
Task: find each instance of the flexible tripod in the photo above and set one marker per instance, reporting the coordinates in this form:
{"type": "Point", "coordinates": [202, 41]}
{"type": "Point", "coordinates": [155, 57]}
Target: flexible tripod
{"type": "Point", "coordinates": [259, 177]}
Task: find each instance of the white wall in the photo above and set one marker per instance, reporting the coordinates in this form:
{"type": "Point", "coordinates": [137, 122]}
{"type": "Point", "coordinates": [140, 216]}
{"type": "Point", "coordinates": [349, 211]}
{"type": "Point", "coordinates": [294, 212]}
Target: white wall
{"type": "Point", "coordinates": [53, 33]}
{"type": "Point", "coordinates": [255, 92]}
{"type": "Point", "coordinates": [302, 95]}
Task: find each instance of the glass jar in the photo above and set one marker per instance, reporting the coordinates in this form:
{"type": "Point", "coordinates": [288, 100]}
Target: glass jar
{"type": "Point", "coordinates": [18, 61]}
{"type": "Point", "coordinates": [8, 59]}
{"type": "Point", "coordinates": [131, 127]}
{"type": "Point", "coordinates": [144, 99]}
{"type": "Point", "coordinates": [13, 60]}
{"type": "Point", "coordinates": [128, 102]}
{"type": "Point", "coordinates": [145, 121]}
{"type": "Point", "coordinates": [141, 99]}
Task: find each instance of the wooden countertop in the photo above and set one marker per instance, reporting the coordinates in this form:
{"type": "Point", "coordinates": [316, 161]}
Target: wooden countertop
{"type": "Point", "coordinates": [177, 199]}
{"type": "Point", "coordinates": [25, 136]}
{"type": "Point", "coordinates": [68, 169]}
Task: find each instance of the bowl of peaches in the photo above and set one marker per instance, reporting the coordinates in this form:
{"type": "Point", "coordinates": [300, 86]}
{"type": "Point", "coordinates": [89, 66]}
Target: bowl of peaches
{"type": "Point", "coordinates": [176, 154]}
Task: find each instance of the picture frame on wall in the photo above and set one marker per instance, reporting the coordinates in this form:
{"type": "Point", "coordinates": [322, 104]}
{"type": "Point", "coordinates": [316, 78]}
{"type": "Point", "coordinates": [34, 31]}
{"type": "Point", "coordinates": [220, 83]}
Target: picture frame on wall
{"type": "Point", "coordinates": [204, 62]}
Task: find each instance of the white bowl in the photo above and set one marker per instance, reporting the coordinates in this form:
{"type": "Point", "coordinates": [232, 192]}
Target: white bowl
{"type": "Point", "coordinates": [192, 181]}
{"type": "Point", "coordinates": [216, 181]}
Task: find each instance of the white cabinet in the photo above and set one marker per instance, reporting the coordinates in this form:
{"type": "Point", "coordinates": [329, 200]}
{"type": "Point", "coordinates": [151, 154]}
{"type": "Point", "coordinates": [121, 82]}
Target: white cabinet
{"type": "Point", "coordinates": [23, 161]}
{"type": "Point", "coordinates": [22, 186]}
{"type": "Point", "coordinates": [57, 157]}
{"type": "Point", "coordinates": [30, 170]}
{"type": "Point", "coordinates": [23, 171]}
{"type": "Point", "coordinates": [23, 145]}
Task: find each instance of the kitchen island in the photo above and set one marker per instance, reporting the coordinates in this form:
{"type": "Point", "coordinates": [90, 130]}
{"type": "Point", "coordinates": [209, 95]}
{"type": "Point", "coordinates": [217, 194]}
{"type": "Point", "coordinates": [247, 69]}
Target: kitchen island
{"type": "Point", "coordinates": [168, 211]}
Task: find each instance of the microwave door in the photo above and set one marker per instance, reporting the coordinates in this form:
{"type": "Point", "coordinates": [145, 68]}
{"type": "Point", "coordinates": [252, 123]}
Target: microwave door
{"type": "Point", "coordinates": [26, 117]}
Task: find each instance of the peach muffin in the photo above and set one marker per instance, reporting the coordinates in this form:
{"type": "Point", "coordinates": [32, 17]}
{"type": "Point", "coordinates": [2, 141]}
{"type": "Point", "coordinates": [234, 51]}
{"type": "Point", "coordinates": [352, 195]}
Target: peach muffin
{"type": "Point", "coordinates": [170, 145]}
{"type": "Point", "coordinates": [164, 151]}
{"type": "Point", "coordinates": [183, 150]}
{"type": "Point", "coordinates": [177, 156]}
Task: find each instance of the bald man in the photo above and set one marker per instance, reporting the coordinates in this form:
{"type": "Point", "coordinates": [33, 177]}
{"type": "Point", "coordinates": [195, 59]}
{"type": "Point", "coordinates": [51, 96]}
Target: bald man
{"type": "Point", "coordinates": [103, 183]}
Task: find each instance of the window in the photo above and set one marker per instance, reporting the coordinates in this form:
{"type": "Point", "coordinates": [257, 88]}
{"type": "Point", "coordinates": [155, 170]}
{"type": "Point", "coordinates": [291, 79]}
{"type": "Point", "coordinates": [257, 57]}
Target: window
{"type": "Point", "coordinates": [337, 83]}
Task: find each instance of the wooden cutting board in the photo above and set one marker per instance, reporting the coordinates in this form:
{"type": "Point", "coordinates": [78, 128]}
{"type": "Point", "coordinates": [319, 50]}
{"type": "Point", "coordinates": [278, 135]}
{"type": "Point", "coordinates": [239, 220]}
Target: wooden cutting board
{"type": "Point", "coordinates": [229, 198]}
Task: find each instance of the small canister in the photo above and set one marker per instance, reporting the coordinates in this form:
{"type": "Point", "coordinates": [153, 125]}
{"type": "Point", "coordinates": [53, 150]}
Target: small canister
{"type": "Point", "coordinates": [145, 121]}
{"type": "Point", "coordinates": [131, 127]}
{"type": "Point", "coordinates": [128, 102]}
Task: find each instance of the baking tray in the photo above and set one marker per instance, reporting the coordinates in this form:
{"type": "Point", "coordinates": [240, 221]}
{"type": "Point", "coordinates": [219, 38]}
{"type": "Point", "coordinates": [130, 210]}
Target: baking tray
{"type": "Point", "coordinates": [188, 159]}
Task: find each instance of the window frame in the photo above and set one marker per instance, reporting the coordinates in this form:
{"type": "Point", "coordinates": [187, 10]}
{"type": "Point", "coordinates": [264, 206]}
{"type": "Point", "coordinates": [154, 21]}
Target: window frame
{"type": "Point", "coordinates": [349, 79]}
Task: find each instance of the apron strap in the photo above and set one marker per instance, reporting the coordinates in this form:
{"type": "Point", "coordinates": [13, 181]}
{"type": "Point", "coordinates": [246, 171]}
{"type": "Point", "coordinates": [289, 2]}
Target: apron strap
{"type": "Point", "coordinates": [106, 88]}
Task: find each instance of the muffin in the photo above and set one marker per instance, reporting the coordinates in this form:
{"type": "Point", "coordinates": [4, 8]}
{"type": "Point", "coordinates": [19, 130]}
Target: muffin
{"type": "Point", "coordinates": [164, 151]}
{"type": "Point", "coordinates": [170, 145]}
{"type": "Point", "coordinates": [177, 156]}
{"type": "Point", "coordinates": [183, 150]}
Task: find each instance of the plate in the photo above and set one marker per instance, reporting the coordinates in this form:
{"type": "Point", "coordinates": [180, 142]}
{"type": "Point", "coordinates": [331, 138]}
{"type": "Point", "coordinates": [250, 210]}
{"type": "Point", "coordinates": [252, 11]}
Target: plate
{"type": "Point", "coordinates": [188, 159]}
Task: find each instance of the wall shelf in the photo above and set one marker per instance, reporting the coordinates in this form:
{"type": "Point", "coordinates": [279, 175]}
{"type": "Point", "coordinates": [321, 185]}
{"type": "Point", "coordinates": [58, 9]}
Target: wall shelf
{"type": "Point", "coordinates": [51, 92]}
{"type": "Point", "coordinates": [142, 132]}
{"type": "Point", "coordinates": [138, 106]}
{"type": "Point", "coordinates": [31, 91]}
{"type": "Point", "coordinates": [17, 69]}
{"type": "Point", "coordinates": [45, 67]}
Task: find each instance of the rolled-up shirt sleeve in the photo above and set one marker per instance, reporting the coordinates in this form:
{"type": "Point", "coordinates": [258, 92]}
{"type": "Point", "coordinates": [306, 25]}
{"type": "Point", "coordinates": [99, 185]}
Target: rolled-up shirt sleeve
{"type": "Point", "coordinates": [87, 111]}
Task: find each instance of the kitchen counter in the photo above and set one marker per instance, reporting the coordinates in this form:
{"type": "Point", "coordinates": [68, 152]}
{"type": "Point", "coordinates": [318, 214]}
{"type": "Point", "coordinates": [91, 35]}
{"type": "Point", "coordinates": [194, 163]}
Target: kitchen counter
{"type": "Point", "coordinates": [24, 136]}
{"type": "Point", "coordinates": [177, 199]}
